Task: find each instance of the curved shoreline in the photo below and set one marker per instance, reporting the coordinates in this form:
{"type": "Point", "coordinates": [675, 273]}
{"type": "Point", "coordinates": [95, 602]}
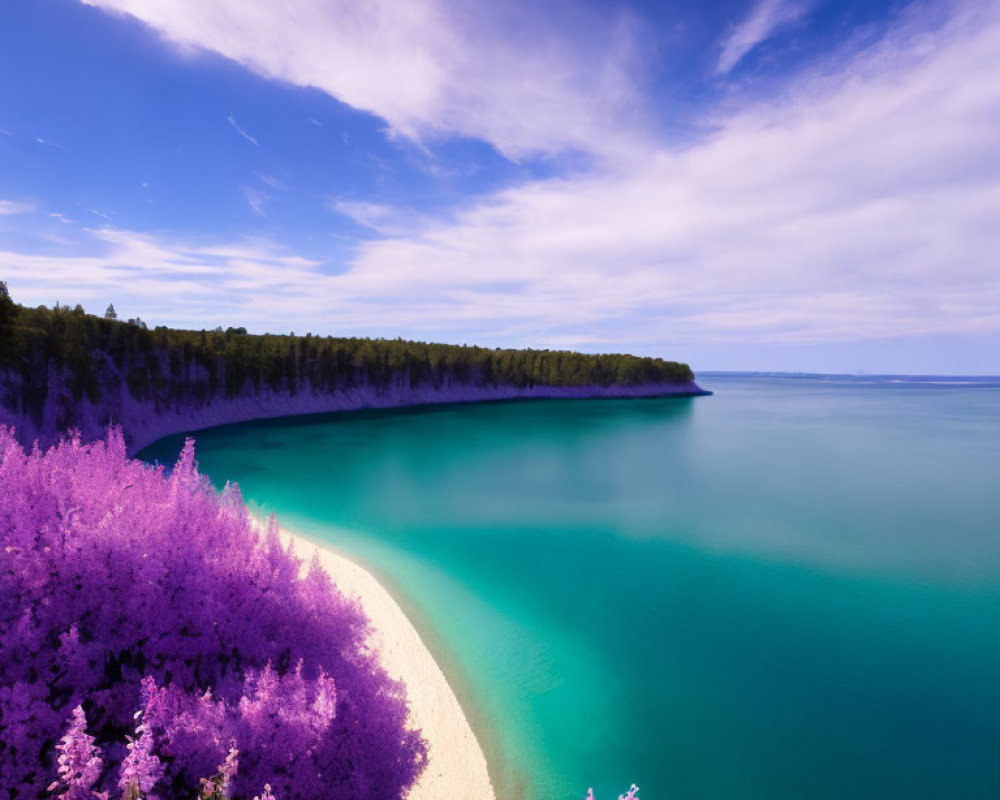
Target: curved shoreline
{"type": "Point", "coordinates": [456, 766]}
{"type": "Point", "coordinates": [145, 427]}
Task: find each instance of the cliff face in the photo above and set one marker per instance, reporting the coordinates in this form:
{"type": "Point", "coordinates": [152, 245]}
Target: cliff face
{"type": "Point", "coordinates": [144, 420]}
{"type": "Point", "coordinates": [63, 369]}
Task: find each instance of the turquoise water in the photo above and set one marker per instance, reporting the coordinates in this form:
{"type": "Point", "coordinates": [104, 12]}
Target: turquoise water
{"type": "Point", "coordinates": [788, 590]}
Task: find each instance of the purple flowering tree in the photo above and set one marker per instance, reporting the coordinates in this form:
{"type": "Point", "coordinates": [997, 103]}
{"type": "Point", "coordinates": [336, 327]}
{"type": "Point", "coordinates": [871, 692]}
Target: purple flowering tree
{"type": "Point", "coordinates": [123, 588]}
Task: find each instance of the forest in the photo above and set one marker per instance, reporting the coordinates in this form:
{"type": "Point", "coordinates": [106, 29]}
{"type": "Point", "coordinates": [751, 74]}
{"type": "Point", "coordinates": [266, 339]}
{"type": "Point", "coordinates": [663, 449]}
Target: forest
{"type": "Point", "coordinates": [165, 366]}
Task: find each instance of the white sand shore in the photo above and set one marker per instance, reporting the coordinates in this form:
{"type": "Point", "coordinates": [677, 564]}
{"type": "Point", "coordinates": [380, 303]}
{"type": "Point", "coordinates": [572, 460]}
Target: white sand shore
{"type": "Point", "coordinates": [456, 768]}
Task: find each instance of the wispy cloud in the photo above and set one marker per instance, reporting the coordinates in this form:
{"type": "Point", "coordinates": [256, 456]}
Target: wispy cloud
{"type": "Point", "coordinates": [272, 181]}
{"type": "Point", "coordinates": [525, 77]}
{"type": "Point", "coordinates": [231, 119]}
{"type": "Point", "coordinates": [257, 200]}
{"type": "Point", "coordinates": [765, 19]}
{"type": "Point", "coordinates": [50, 143]}
{"type": "Point", "coordinates": [10, 207]}
{"type": "Point", "coordinates": [383, 219]}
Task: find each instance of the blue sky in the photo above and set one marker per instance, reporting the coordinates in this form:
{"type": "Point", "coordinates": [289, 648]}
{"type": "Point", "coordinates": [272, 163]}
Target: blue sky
{"type": "Point", "coordinates": [774, 184]}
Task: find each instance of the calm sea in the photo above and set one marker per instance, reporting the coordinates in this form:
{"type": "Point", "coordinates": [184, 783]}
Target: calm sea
{"type": "Point", "coordinates": [789, 590]}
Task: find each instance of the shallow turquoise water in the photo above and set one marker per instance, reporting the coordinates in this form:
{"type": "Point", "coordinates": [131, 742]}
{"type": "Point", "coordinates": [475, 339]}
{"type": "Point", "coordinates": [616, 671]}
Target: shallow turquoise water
{"type": "Point", "coordinates": [789, 590]}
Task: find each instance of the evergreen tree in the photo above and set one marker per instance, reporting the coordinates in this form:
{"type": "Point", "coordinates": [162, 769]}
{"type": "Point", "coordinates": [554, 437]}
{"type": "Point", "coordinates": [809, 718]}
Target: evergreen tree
{"type": "Point", "coordinates": [8, 308]}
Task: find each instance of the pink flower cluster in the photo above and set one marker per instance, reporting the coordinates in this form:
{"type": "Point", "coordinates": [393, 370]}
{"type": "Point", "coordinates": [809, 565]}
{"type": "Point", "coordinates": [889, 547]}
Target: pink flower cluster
{"type": "Point", "coordinates": [123, 587]}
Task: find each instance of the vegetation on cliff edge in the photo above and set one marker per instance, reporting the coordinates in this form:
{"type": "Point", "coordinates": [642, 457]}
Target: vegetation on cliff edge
{"type": "Point", "coordinates": [167, 367]}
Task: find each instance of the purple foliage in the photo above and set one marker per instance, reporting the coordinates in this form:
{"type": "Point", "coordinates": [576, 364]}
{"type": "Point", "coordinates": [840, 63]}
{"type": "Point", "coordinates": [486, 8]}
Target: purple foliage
{"type": "Point", "coordinates": [111, 571]}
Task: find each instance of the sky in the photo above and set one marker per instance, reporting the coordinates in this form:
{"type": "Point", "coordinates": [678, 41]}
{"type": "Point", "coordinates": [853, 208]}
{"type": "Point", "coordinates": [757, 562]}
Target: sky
{"type": "Point", "coordinates": [798, 185]}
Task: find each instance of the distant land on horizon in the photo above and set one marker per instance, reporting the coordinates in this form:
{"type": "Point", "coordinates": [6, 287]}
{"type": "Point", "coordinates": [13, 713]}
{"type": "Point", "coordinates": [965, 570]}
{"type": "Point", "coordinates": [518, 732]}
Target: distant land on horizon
{"type": "Point", "coordinates": [911, 377]}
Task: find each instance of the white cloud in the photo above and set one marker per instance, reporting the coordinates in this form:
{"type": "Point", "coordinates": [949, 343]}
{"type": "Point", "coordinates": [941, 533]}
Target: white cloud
{"type": "Point", "coordinates": [765, 19]}
{"type": "Point", "coordinates": [50, 143]}
{"type": "Point", "coordinates": [384, 219]}
{"type": "Point", "coordinates": [11, 207]}
{"type": "Point", "coordinates": [528, 79]}
{"type": "Point", "coordinates": [236, 127]}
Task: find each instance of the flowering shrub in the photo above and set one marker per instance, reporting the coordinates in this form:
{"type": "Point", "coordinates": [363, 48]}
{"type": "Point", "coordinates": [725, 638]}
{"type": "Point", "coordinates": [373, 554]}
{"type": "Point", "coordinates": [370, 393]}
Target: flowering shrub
{"type": "Point", "coordinates": [123, 588]}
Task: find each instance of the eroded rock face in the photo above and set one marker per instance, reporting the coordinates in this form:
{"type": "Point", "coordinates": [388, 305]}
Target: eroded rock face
{"type": "Point", "coordinates": [144, 420]}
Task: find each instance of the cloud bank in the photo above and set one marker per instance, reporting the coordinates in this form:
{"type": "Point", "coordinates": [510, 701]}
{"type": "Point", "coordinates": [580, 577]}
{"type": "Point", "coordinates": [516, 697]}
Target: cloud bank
{"type": "Point", "coordinates": [859, 206]}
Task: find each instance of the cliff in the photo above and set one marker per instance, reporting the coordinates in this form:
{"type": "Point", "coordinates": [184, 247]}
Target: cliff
{"type": "Point", "coordinates": [62, 369]}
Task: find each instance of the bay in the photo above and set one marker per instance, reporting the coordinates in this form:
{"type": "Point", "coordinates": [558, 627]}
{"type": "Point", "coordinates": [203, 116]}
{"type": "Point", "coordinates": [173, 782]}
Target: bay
{"type": "Point", "coordinates": [790, 589]}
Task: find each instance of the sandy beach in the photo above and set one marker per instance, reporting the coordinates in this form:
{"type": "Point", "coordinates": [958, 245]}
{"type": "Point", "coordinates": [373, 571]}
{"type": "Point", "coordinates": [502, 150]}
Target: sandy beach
{"type": "Point", "coordinates": [456, 767]}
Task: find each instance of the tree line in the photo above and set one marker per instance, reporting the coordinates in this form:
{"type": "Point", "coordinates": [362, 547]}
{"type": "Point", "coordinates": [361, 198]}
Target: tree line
{"type": "Point", "coordinates": [169, 365]}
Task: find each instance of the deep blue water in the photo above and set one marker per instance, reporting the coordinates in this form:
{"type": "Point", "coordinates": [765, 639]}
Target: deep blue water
{"type": "Point", "coordinates": [788, 590]}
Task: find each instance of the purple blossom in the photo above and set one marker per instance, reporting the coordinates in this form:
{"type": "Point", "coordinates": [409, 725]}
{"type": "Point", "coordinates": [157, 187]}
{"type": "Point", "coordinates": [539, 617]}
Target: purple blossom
{"type": "Point", "coordinates": [266, 794]}
{"type": "Point", "coordinates": [79, 762]}
{"type": "Point", "coordinates": [141, 769]}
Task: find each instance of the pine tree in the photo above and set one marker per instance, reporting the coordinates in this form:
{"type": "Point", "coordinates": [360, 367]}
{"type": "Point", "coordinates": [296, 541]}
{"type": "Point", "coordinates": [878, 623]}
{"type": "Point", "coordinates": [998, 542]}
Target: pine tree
{"type": "Point", "coordinates": [8, 308]}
